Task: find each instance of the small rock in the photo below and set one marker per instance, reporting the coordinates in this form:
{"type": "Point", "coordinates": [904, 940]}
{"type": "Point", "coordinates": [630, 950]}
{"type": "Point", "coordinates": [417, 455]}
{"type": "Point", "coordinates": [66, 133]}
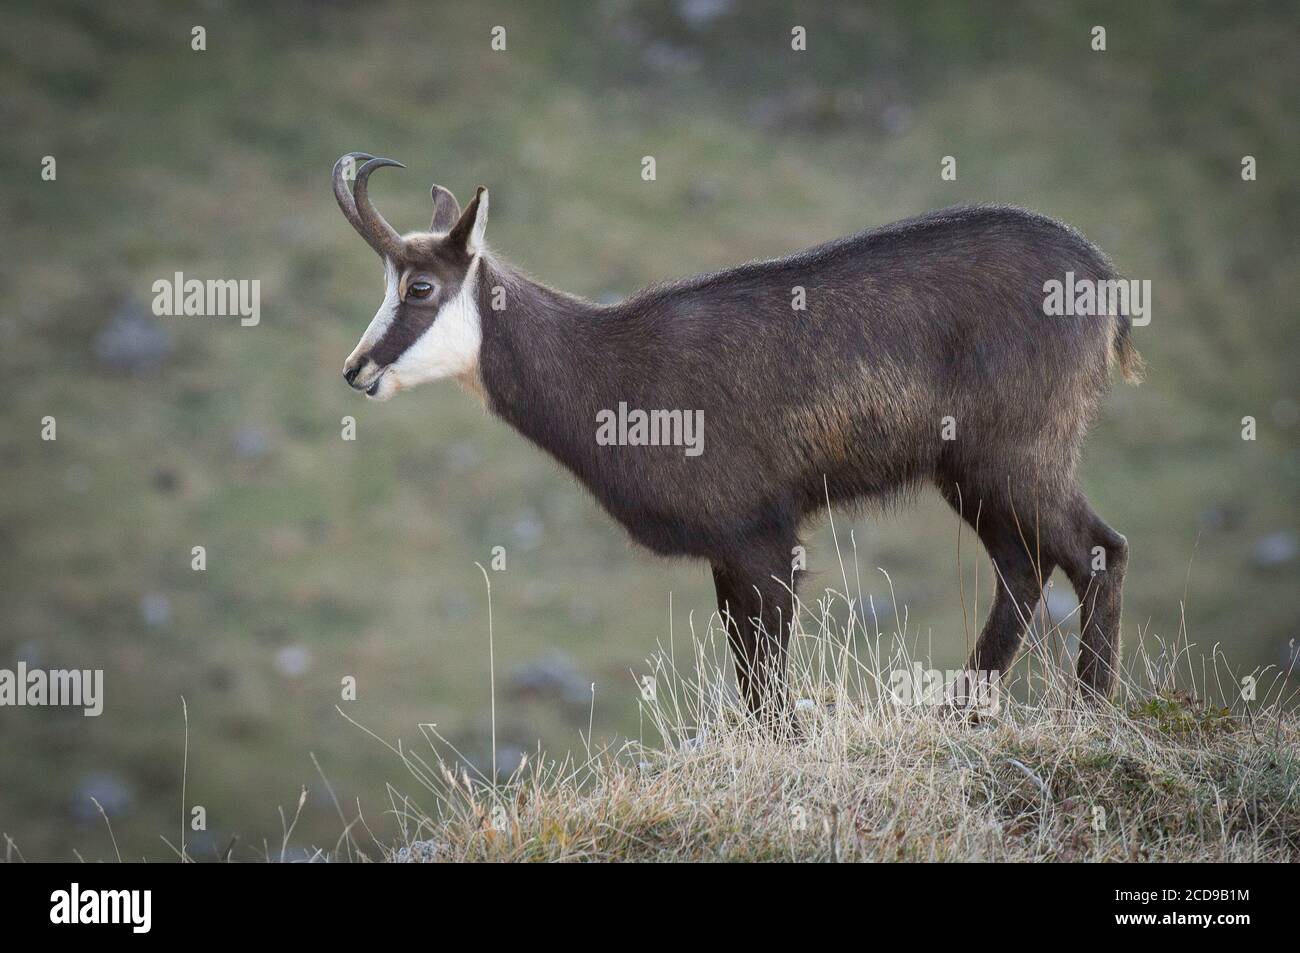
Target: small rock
{"type": "Point", "coordinates": [527, 530]}
{"type": "Point", "coordinates": [1276, 549]}
{"type": "Point", "coordinates": [876, 609]}
{"type": "Point", "coordinates": [251, 443]}
{"type": "Point", "coordinates": [133, 341]}
{"type": "Point", "coordinates": [700, 14]}
{"type": "Point", "coordinates": [510, 760]}
{"type": "Point", "coordinates": [110, 790]}
{"type": "Point", "coordinates": [155, 609]}
{"type": "Point", "coordinates": [896, 118]}
{"type": "Point", "coordinates": [293, 661]}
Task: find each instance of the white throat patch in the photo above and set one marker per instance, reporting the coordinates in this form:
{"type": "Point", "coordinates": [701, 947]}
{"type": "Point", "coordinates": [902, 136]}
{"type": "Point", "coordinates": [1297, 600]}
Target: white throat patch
{"type": "Point", "coordinates": [449, 347]}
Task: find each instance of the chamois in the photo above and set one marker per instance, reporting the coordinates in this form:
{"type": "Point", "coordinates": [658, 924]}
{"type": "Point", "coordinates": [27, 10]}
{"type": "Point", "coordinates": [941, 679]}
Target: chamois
{"type": "Point", "coordinates": [922, 355]}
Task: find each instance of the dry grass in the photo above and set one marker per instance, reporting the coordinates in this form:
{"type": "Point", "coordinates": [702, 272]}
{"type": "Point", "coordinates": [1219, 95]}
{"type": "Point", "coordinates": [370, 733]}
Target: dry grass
{"type": "Point", "coordinates": [1159, 776]}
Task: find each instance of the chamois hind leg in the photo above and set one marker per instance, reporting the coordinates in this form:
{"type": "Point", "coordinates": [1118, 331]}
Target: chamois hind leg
{"type": "Point", "coordinates": [1019, 575]}
{"type": "Point", "coordinates": [1021, 567]}
{"type": "Point", "coordinates": [1095, 557]}
{"type": "Point", "coordinates": [758, 611]}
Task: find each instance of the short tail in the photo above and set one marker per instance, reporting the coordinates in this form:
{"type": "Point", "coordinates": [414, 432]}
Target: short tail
{"type": "Point", "coordinates": [1131, 366]}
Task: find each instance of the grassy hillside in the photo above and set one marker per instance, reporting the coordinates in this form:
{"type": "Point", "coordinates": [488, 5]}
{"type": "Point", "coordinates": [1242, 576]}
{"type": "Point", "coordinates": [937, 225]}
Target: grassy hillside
{"type": "Point", "coordinates": [329, 558]}
{"type": "Point", "coordinates": [1161, 777]}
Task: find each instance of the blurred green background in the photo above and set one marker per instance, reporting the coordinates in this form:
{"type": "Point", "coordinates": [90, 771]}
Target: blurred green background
{"type": "Point", "coordinates": [329, 558]}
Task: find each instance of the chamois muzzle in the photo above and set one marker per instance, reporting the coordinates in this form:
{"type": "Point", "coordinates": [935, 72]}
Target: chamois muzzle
{"type": "Point", "coordinates": [358, 210]}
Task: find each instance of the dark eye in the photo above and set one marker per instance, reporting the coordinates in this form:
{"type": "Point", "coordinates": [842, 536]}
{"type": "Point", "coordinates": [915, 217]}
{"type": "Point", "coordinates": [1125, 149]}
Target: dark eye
{"type": "Point", "coordinates": [419, 289]}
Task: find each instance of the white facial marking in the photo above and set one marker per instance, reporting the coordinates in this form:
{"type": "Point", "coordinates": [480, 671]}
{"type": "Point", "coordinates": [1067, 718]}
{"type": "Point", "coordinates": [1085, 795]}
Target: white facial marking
{"type": "Point", "coordinates": [449, 347]}
{"type": "Point", "coordinates": [382, 319]}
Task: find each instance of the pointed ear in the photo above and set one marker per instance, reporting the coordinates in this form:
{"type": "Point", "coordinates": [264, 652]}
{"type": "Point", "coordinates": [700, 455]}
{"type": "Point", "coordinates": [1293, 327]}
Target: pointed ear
{"type": "Point", "coordinates": [446, 210]}
{"type": "Point", "coordinates": [468, 231]}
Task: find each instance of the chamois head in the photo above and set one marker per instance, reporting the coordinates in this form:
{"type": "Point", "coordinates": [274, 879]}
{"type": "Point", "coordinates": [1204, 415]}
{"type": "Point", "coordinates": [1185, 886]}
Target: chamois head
{"type": "Point", "coordinates": [427, 327]}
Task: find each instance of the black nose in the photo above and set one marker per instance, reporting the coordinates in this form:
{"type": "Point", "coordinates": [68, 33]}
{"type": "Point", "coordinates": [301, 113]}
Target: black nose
{"type": "Point", "coordinates": [351, 375]}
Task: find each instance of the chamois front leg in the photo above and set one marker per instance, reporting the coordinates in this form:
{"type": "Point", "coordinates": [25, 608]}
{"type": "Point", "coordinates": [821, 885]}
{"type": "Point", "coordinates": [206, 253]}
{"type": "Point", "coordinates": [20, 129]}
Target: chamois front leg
{"type": "Point", "coordinates": [758, 610]}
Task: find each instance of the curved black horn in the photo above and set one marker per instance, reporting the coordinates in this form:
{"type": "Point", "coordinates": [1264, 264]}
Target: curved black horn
{"type": "Point", "coordinates": [343, 194]}
{"type": "Point", "coordinates": [382, 237]}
